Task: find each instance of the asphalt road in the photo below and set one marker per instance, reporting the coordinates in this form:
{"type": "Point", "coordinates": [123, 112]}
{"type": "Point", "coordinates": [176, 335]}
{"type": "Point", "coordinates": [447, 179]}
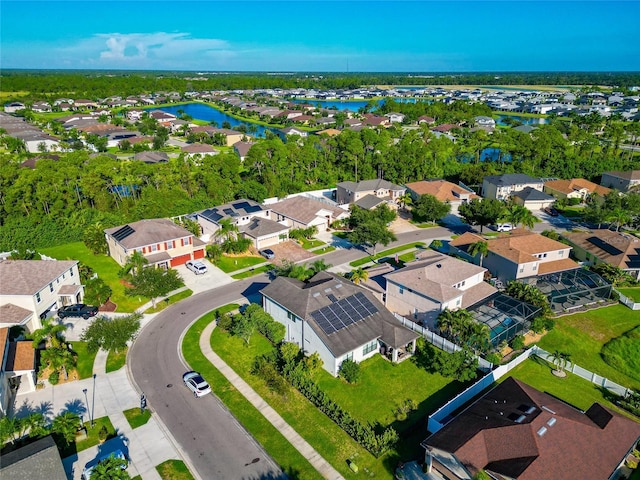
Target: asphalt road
{"type": "Point", "coordinates": [208, 435]}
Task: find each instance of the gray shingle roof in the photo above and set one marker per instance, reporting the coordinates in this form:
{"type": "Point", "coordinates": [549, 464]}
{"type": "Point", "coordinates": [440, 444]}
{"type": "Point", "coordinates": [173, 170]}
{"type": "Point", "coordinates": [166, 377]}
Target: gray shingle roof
{"type": "Point", "coordinates": [302, 299]}
{"type": "Point", "coordinates": [532, 194]}
{"type": "Point", "coordinates": [30, 276]}
{"type": "Point", "coordinates": [510, 179]}
{"type": "Point", "coordinates": [370, 185]}
{"type": "Point", "coordinates": [304, 209]}
{"type": "Point", "coordinates": [39, 459]}
{"type": "Point", "coordinates": [371, 201]}
{"type": "Point", "coordinates": [259, 227]}
{"type": "Point", "coordinates": [147, 232]}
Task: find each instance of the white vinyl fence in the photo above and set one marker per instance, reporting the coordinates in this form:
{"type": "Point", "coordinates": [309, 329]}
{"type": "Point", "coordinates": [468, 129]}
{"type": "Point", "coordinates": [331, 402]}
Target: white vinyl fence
{"type": "Point", "coordinates": [443, 415]}
{"type": "Point", "coordinates": [628, 302]}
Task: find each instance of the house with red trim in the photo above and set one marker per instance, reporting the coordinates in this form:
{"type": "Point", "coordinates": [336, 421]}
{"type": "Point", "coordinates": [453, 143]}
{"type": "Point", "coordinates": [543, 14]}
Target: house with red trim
{"type": "Point", "coordinates": [163, 243]}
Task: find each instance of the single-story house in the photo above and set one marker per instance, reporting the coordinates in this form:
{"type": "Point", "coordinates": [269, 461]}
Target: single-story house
{"type": "Point", "coordinates": [351, 192]}
{"type": "Point", "coordinates": [433, 283]}
{"type": "Point", "coordinates": [337, 319]}
{"type": "Point", "coordinates": [305, 212]}
{"type": "Point", "coordinates": [501, 187]}
{"type": "Point", "coordinates": [515, 431]}
{"type": "Point", "coordinates": [454, 195]}
{"type": "Point", "coordinates": [520, 254]}
{"type": "Point", "coordinates": [162, 242]}
{"type": "Point", "coordinates": [289, 131]}
{"type": "Point", "coordinates": [151, 157]}
{"type": "Point", "coordinates": [199, 149]}
{"type": "Point", "coordinates": [619, 249]}
{"type": "Point", "coordinates": [36, 288]}
{"type": "Point", "coordinates": [532, 199]}
{"type": "Point", "coordinates": [575, 188]}
{"type": "Point", "coordinates": [265, 232]}
{"type": "Point", "coordinates": [242, 149]}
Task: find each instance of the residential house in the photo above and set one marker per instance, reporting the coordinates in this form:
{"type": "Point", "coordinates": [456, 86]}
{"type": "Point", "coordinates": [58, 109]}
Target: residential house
{"type": "Point", "coordinates": [264, 232]}
{"type": "Point", "coordinates": [199, 150]}
{"type": "Point", "coordinates": [619, 249]}
{"type": "Point", "coordinates": [239, 212]}
{"type": "Point", "coordinates": [575, 188]}
{"type": "Point", "coordinates": [426, 119]}
{"type": "Point", "coordinates": [36, 288]}
{"type": "Point", "coordinates": [304, 212]}
{"type": "Point", "coordinates": [335, 318]}
{"type": "Point", "coordinates": [13, 107]}
{"type": "Point", "coordinates": [288, 131]}
{"type": "Point", "coordinates": [520, 254]}
{"type": "Point", "coordinates": [395, 117]}
{"type": "Point", "coordinates": [242, 149]}
{"type": "Point", "coordinates": [330, 132]}
{"type": "Point", "coordinates": [84, 104]}
{"type": "Point", "coordinates": [17, 369]}
{"type": "Point", "coordinates": [39, 459]}
{"type": "Point", "coordinates": [501, 187]}
{"type": "Point", "coordinates": [230, 136]}
{"type": "Point", "coordinates": [517, 432]}
{"type": "Point", "coordinates": [622, 181]}
{"type": "Point", "coordinates": [485, 122]}
{"type": "Point", "coordinates": [433, 283]}
{"type": "Point", "coordinates": [36, 142]}
{"type": "Point", "coordinates": [532, 199]}
{"type": "Point", "coordinates": [372, 120]}
{"type": "Point", "coordinates": [454, 195]}
{"type": "Point", "coordinates": [351, 192]}
{"type": "Point", "coordinates": [162, 242]}
{"type": "Point", "coordinates": [151, 157]}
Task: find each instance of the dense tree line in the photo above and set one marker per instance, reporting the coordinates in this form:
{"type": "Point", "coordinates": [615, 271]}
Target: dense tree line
{"type": "Point", "coordinates": [58, 200]}
{"type": "Point", "coordinates": [99, 84]}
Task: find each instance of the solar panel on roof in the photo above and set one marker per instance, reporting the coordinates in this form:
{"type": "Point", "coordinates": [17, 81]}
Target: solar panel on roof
{"type": "Point", "coordinates": [332, 297]}
{"type": "Point", "coordinates": [212, 215]}
{"type": "Point", "coordinates": [240, 205]}
{"type": "Point", "coordinates": [343, 313]}
{"type": "Point", "coordinates": [606, 246]}
{"type": "Point", "coordinates": [229, 211]}
{"type": "Point", "coordinates": [123, 233]}
{"type": "Point", "coordinates": [254, 208]}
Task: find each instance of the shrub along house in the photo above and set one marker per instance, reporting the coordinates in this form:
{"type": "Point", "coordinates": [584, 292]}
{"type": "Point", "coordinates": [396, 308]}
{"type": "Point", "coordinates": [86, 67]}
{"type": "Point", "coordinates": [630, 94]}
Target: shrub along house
{"type": "Point", "coordinates": [337, 319]}
{"type": "Point", "coordinates": [162, 242]}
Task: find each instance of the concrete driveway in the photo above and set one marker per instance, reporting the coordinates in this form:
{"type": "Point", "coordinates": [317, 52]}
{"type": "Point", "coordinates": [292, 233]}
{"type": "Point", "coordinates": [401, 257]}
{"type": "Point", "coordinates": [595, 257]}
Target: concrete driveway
{"type": "Point", "coordinates": [199, 283]}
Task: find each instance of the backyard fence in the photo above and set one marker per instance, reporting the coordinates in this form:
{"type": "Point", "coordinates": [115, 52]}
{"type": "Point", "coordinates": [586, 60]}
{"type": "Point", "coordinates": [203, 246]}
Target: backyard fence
{"type": "Point", "coordinates": [440, 342]}
{"type": "Point", "coordinates": [628, 302]}
{"type": "Point", "coordinates": [444, 414]}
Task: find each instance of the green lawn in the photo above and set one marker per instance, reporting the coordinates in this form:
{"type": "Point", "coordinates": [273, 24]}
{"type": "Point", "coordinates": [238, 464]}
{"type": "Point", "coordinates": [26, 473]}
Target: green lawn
{"type": "Point", "coordinates": [106, 268]}
{"type": "Point", "coordinates": [623, 353]}
{"type": "Point", "coordinates": [252, 272]}
{"type": "Point", "coordinates": [115, 361]}
{"type": "Point", "coordinates": [307, 244]}
{"type": "Point", "coordinates": [584, 334]}
{"type": "Point", "coordinates": [630, 293]}
{"type": "Point", "coordinates": [231, 264]}
{"type": "Point", "coordinates": [384, 253]}
{"type": "Point", "coordinates": [136, 418]}
{"type": "Point", "coordinates": [92, 436]}
{"type": "Point", "coordinates": [572, 389]}
{"type": "Point", "coordinates": [324, 250]}
{"type": "Point", "coordinates": [84, 360]}
{"type": "Point", "coordinates": [174, 470]}
{"type": "Point", "coordinates": [274, 443]}
{"type": "Point", "coordinates": [162, 304]}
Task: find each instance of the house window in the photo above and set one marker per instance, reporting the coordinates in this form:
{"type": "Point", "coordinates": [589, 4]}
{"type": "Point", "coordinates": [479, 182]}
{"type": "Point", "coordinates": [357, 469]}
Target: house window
{"type": "Point", "coordinates": [521, 268]}
{"type": "Point", "coordinates": [185, 241]}
{"type": "Point", "coordinates": [291, 316]}
{"type": "Point", "coordinates": [63, 276]}
{"type": "Point", "coordinates": [154, 247]}
{"type": "Point", "coordinates": [38, 299]}
{"type": "Point", "coordinates": [401, 290]}
{"type": "Point", "coordinates": [348, 356]}
{"type": "Point", "coordinates": [71, 272]}
{"type": "Point", "coordinates": [51, 287]}
{"type": "Point", "coordinates": [561, 253]}
{"type": "Point", "coordinates": [170, 245]}
{"type": "Point", "coordinates": [369, 347]}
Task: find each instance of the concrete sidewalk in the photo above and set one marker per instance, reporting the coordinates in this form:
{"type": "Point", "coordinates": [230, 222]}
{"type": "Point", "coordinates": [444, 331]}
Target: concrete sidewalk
{"type": "Point", "coordinates": [146, 446]}
{"type": "Point", "coordinates": [299, 443]}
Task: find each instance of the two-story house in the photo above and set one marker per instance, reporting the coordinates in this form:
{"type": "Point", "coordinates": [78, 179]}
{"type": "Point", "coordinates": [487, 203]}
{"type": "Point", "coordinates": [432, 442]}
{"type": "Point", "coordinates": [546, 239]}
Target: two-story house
{"type": "Point", "coordinates": [578, 188]}
{"type": "Point", "coordinates": [454, 195]}
{"type": "Point", "coordinates": [501, 187]}
{"type": "Point", "coordinates": [336, 318]}
{"type": "Point", "coordinates": [162, 242]}
{"type": "Point", "coordinates": [352, 192]}
{"type": "Point", "coordinates": [520, 254]}
{"type": "Point", "coordinates": [433, 283]}
{"type": "Point", "coordinates": [31, 289]}
{"type": "Point", "coordinates": [300, 211]}
{"type": "Point", "coordinates": [622, 181]}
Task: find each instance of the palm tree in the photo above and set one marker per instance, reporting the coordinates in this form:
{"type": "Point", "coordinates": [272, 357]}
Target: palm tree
{"type": "Point", "coordinates": [517, 215]}
{"type": "Point", "coordinates": [320, 266]}
{"type": "Point", "coordinates": [8, 429]}
{"type": "Point", "coordinates": [479, 248]}
{"type": "Point", "coordinates": [51, 333]}
{"type": "Point", "coordinates": [227, 229]}
{"type": "Point", "coordinates": [560, 360]}
{"type": "Point", "coordinates": [359, 275]}
{"type": "Point", "coordinates": [135, 263]}
{"type": "Point", "coordinates": [620, 217]}
{"type": "Point", "coordinates": [66, 425]}
{"type": "Point", "coordinates": [405, 200]}
{"type": "Point", "coordinates": [112, 468]}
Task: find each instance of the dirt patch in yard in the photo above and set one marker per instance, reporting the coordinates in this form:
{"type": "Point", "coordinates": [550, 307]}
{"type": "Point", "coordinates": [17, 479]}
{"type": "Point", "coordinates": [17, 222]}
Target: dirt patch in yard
{"type": "Point", "coordinates": [108, 306]}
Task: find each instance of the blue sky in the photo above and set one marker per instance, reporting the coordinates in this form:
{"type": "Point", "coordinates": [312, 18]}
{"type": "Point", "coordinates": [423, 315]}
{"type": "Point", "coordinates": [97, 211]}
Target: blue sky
{"type": "Point", "coordinates": [411, 36]}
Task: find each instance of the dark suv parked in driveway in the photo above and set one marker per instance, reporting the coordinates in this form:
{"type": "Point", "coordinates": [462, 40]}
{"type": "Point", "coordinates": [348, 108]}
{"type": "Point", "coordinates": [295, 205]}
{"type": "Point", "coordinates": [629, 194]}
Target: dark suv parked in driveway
{"type": "Point", "coordinates": [78, 310]}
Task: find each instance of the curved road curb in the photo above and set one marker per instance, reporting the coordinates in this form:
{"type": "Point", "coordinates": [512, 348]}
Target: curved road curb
{"type": "Point", "coordinates": [320, 464]}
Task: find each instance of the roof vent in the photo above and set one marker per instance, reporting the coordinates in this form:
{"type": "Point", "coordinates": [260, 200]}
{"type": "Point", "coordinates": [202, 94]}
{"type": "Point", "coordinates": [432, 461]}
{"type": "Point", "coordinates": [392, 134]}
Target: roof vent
{"type": "Point", "coordinates": [548, 410]}
{"type": "Point", "coordinates": [552, 421]}
{"type": "Point", "coordinates": [338, 285]}
{"type": "Point", "coordinates": [530, 410]}
{"type": "Point", "coordinates": [542, 431]}
{"type": "Point", "coordinates": [439, 265]}
{"type": "Point", "coordinates": [520, 419]}
{"type": "Point", "coordinates": [317, 294]}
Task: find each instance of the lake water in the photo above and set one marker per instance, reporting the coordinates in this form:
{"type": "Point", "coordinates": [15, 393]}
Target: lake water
{"type": "Point", "coordinates": [354, 105]}
{"type": "Point", "coordinates": [200, 111]}
{"type": "Point", "coordinates": [522, 120]}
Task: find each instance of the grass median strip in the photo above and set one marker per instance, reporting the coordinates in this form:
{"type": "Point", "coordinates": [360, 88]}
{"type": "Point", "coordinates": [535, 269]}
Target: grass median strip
{"type": "Point", "coordinates": [116, 360]}
{"type": "Point", "coordinates": [162, 304]}
{"type": "Point", "coordinates": [252, 272]}
{"type": "Point", "coordinates": [290, 460]}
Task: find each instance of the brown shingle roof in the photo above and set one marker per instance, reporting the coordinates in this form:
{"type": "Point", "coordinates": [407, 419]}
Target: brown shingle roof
{"type": "Point", "coordinates": [615, 248]}
{"type": "Point", "coordinates": [630, 175]}
{"type": "Point", "coordinates": [576, 445]}
{"type": "Point", "coordinates": [556, 266]}
{"type": "Point", "coordinates": [441, 189]}
{"type": "Point", "coordinates": [10, 313]}
{"type": "Point", "coordinates": [570, 186]}
{"type": "Point", "coordinates": [21, 356]}
{"type": "Point", "coordinates": [30, 276]}
{"type": "Point", "coordinates": [147, 232]}
{"type": "Point", "coordinates": [304, 209]}
{"type": "Point", "coordinates": [520, 247]}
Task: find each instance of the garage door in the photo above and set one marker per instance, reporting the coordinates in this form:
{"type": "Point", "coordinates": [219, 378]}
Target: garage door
{"type": "Point", "coordinates": [269, 241]}
{"type": "Point", "coordinates": [181, 260]}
